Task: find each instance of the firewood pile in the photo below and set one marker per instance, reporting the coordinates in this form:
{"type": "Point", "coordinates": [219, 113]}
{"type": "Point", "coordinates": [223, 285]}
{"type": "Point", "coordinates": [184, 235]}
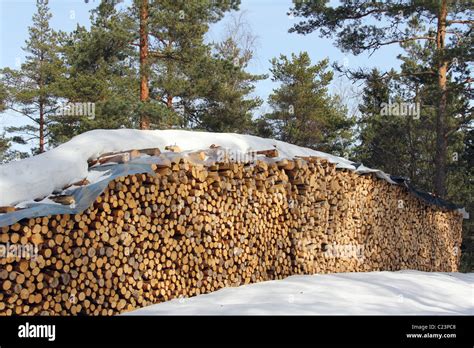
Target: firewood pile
{"type": "Point", "coordinates": [194, 228]}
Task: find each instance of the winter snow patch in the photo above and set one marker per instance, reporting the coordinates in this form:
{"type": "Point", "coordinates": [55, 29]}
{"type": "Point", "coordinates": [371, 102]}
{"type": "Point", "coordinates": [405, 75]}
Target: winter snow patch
{"type": "Point", "coordinates": [40, 175]}
{"type": "Point", "coordinates": [371, 293]}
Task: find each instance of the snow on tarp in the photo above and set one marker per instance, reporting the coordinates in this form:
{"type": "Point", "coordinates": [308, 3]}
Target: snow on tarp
{"type": "Point", "coordinates": [36, 177]}
{"type": "Point", "coordinates": [40, 175]}
{"type": "Point", "coordinates": [357, 293]}
{"type": "Point", "coordinates": [83, 196]}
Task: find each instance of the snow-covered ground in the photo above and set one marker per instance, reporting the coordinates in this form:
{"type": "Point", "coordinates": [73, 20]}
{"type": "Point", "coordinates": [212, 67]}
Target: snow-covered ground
{"type": "Point", "coordinates": [371, 293]}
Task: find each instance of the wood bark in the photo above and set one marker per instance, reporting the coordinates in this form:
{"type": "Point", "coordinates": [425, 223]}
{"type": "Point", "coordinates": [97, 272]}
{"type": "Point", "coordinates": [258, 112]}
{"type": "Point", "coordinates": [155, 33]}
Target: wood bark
{"type": "Point", "coordinates": [441, 115]}
{"type": "Point", "coordinates": [144, 64]}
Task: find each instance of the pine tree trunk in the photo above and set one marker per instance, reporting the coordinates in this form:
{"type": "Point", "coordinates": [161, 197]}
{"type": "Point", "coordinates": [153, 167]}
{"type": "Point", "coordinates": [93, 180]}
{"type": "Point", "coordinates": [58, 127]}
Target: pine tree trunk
{"type": "Point", "coordinates": [441, 140]}
{"type": "Point", "coordinates": [169, 97]}
{"type": "Point", "coordinates": [144, 90]}
{"type": "Point", "coordinates": [41, 126]}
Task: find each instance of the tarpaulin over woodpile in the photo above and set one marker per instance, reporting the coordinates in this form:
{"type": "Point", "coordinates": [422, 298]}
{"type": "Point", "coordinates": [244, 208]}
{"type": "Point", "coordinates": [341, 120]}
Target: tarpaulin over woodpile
{"type": "Point", "coordinates": [23, 182]}
{"type": "Point", "coordinates": [83, 196]}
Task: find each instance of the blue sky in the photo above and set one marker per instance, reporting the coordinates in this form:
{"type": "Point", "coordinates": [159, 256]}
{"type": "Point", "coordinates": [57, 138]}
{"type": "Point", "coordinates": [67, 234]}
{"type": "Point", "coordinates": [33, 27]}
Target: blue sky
{"type": "Point", "coordinates": [267, 19]}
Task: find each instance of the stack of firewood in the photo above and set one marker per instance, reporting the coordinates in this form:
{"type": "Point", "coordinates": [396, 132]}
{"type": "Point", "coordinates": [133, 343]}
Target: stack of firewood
{"type": "Point", "coordinates": [195, 227]}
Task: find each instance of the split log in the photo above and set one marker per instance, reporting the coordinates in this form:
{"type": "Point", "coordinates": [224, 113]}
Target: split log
{"type": "Point", "coordinates": [63, 199]}
{"type": "Point", "coordinates": [6, 209]}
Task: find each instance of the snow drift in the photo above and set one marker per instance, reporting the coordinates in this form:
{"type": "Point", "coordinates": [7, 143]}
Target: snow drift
{"type": "Point", "coordinates": [373, 293]}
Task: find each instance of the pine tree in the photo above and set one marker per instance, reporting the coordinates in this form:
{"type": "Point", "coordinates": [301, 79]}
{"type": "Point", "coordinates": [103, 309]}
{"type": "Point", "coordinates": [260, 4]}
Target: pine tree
{"type": "Point", "coordinates": [303, 111]}
{"type": "Point", "coordinates": [171, 41]}
{"type": "Point", "coordinates": [391, 141]}
{"type": "Point", "coordinates": [139, 65]}
{"type": "Point", "coordinates": [143, 58]}
{"type": "Point", "coordinates": [32, 90]}
{"type": "Point", "coordinates": [4, 146]}
{"type": "Point", "coordinates": [224, 90]}
{"type": "Point", "coordinates": [103, 68]}
{"type": "Point", "coordinates": [460, 189]}
{"type": "Point", "coordinates": [99, 64]}
{"type": "Point", "coordinates": [4, 143]}
{"type": "Point", "coordinates": [3, 97]}
{"type": "Point", "coordinates": [405, 145]}
{"type": "Point", "coordinates": [367, 26]}
{"type": "Point", "coordinates": [6, 153]}
{"type": "Point", "coordinates": [375, 149]}
{"type": "Point", "coordinates": [180, 58]}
